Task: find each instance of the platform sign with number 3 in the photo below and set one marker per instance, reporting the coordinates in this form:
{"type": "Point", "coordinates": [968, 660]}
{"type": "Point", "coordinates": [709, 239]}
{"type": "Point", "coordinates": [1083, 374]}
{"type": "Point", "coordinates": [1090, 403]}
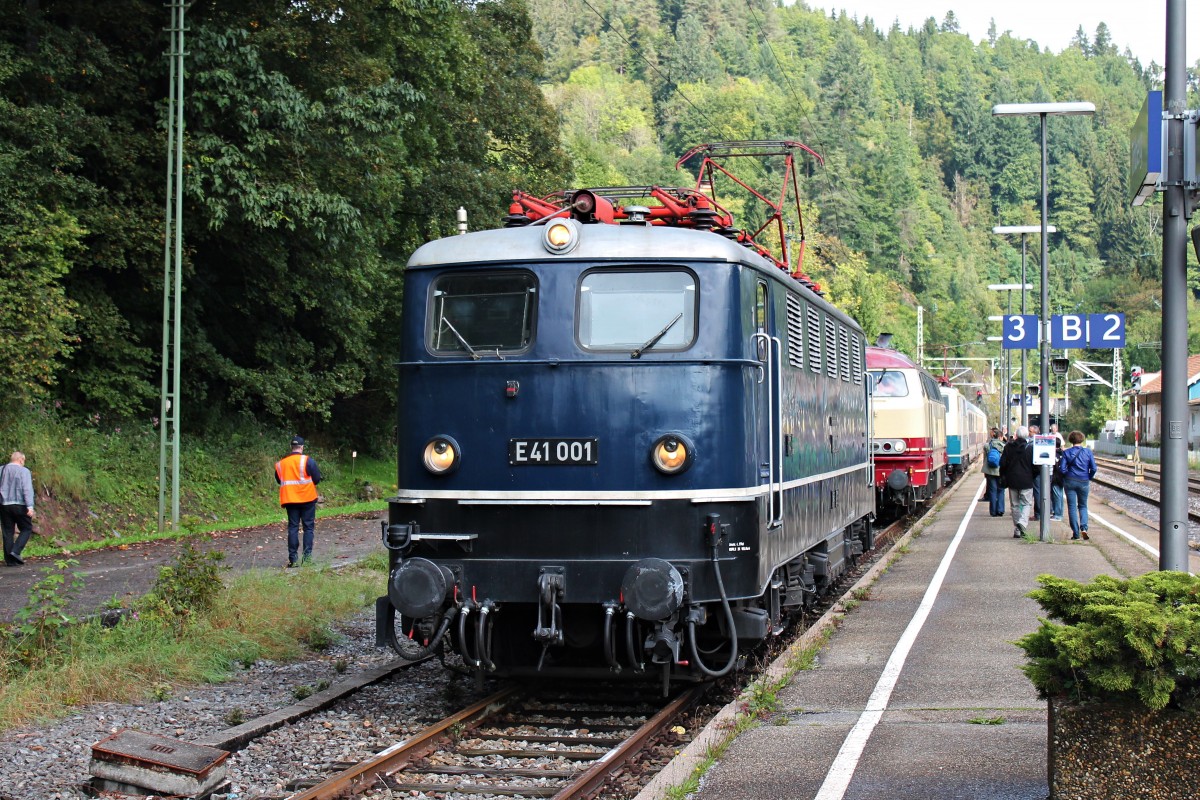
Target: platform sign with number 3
{"type": "Point", "coordinates": [1020, 332]}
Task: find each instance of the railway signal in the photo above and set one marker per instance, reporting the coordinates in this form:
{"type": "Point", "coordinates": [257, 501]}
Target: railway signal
{"type": "Point", "coordinates": [1135, 383]}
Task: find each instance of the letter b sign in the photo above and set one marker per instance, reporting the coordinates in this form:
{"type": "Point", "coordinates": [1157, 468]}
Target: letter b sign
{"type": "Point", "coordinates": [1094, 331]}
{"type": "Point", "coordinates": [1068, 331]}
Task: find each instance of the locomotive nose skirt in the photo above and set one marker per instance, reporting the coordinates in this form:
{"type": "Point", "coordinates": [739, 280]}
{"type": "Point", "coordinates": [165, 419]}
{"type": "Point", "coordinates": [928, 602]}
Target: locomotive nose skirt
{"type": "Point", "coordinates": [652, 589]}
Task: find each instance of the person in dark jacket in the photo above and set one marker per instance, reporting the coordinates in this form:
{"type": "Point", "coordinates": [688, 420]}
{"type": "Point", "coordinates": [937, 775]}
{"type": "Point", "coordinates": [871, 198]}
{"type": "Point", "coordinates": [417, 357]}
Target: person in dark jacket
{"type": "Point", "coordinates": [1078, 467]}
{"type": "Point", "coordinates": [995, 493]}
{"type": "Point", "coordinates": [1017, 473]}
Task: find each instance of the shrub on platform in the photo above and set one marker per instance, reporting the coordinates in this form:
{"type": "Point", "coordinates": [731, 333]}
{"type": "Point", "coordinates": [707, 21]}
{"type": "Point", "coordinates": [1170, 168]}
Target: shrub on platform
{"type": "Point", "coordinates": [1134, 642]}
{"type": "Point", "coordinates": [1119, 662]}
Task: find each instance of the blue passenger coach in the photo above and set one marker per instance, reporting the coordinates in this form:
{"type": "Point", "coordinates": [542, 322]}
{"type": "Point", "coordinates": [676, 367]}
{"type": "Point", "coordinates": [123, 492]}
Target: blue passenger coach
{"type": "Point", "coordinates": [966, 430]}
{"type": "Point", "coordinates": [625, 446]}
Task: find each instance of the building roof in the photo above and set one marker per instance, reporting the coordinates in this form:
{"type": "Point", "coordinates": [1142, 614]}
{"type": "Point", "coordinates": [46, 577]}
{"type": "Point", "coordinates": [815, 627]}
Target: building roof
{"type": "Point", "coordinates": [1152, 384]}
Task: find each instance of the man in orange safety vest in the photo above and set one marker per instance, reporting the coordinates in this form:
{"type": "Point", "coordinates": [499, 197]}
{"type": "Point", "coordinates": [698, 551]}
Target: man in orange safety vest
{"type": "Point", "coordinates": [298, 476]}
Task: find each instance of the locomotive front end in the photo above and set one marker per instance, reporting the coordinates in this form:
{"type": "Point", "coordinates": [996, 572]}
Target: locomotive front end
{"type": "Point", "coordinates": [630, 441]}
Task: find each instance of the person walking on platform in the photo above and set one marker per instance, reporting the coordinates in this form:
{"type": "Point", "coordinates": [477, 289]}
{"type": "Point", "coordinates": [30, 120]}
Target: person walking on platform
{"type": "Point", "coordinates": [1017, 473]}
{"type": "Point", "coordinates": [991, 471]}
{"type": "Point", "coordinates": [298, 476]}
{"type": "Point", "coordinates": [1034, 430]}
{"type": "Point", "coordinates": [1077, 467]}
{"type": "Point", "coordinates": [1056, 486]}
{"type": "Point", "coordinates": [16, 513]}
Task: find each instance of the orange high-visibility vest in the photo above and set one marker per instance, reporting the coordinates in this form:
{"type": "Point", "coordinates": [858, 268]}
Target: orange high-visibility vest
{"type": "Point", "coordinates": [295, 485]}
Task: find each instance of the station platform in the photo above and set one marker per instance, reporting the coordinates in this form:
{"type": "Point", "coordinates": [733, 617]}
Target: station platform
{"type": "Point", "coordinates": [917, 692]}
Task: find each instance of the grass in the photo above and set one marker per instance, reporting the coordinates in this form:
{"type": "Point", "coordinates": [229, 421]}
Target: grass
{"type": "Point", "coordinates": [146, 657]}
{"type": "Point", "coordinates": [97, 484]}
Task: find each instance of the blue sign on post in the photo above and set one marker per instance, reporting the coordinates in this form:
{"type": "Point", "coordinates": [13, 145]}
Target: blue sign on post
{"type": "Point", "coordinates": [1094, 331]}
{"type": "Point", "coordinates": [1068, 331]}
{"type": "Point", "coordinates": [1020, 332]}
{"type": "Point", "coordinates": [1106, 331]}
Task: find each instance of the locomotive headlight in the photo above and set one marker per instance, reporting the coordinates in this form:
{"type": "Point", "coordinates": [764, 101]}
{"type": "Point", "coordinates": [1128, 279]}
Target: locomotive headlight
{"type": "Point", "coordinates": [441, 455]}
{"type": "Point", "coordinates": [561, 236]}
{"type": "Point", "coordinates": [671, 454]}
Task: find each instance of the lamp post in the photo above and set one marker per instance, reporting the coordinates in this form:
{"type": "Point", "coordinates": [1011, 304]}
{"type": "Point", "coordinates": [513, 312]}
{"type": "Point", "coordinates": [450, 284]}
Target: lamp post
{"type": "Point", "coordinates": [1025, 230]}
{"type": "Point", "coordinates": [1043, 110]}
{"type": "Point", "coordinates": [1010, 288]}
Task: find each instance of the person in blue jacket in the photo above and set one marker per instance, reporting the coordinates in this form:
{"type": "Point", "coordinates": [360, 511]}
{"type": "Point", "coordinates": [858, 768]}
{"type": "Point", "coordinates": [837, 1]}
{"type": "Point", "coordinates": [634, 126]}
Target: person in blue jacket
{"type": "Point", "coordinates": [995, 493]}
{"type": "Point", "coordinates": [1078, 467]}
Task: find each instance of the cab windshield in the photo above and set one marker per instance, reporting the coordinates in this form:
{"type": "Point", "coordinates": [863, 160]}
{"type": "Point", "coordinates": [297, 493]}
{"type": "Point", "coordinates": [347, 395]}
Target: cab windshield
{"type": "Point", "coordinates": [637, 310]}
{"type": "Point", "coordinates": [481, 314]}
{"type": "Point", "coordinates": [888, 383]}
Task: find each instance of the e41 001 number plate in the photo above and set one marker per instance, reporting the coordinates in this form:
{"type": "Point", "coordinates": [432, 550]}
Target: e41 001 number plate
{"type": "Point", "coordinates": [553, 452]}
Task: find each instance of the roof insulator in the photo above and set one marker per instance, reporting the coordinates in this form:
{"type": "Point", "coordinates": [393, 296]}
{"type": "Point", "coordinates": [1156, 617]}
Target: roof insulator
{"type": "Point", "coordinates": [638, 215]}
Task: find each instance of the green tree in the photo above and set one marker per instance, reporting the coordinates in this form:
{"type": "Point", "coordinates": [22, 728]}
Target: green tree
{"type": "Point", "coordinates": [36, 319]}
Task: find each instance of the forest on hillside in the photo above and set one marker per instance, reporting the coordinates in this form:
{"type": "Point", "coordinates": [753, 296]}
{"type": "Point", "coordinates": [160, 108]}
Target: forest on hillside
{"type": "Point", "coordinates": [327, 139]}
{"type": "Point", "coordinates": [916, 169]}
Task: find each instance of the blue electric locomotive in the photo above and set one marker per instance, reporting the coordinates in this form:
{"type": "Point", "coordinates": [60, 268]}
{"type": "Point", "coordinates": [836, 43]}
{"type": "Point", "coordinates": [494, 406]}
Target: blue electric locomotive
{"type": "Point", "coordinates": [628, 442]}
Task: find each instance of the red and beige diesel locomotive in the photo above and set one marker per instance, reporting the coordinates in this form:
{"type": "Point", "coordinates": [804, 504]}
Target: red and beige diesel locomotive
{"type": "Point", "coordinates": [908, 438]}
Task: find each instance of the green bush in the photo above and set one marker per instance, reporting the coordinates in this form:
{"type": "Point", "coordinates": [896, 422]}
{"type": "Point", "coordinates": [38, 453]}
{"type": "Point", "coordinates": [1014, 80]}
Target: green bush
{"type": "Point", "coordinates": [1134, 642]}
{"type": "Point", "coordinates": [187, 587]}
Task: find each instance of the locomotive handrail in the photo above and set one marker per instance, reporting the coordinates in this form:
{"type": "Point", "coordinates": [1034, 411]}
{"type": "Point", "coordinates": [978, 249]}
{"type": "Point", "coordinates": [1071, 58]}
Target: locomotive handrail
{"type": "Point", "coordinates": [777, 519]}
{"type": "Point", "coordinates": [773, 349]}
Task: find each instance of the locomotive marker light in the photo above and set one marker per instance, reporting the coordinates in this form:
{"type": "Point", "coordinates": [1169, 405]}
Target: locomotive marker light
{"type": "Point", "coordinates": [561, 236]}
{"type": "Point", "coordinates": [1042, 111]}
{"type": "Point", "coordinates": [441, 455]}
{"type": "Point", "coordinates": [671, 454]}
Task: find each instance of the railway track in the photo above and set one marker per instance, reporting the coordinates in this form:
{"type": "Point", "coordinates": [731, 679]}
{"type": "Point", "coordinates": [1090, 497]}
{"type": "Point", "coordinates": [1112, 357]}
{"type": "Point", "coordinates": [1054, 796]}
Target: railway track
{"type": "Point", "coordinates": [1152, 473]}
{"type": "Point", "coordinates": [559, 745]}
{"type": "Point", "coordinates": [1152, 477]}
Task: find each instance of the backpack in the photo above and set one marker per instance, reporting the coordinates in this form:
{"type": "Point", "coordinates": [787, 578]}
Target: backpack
{"type": "Point", "coordinates": [993, 457]}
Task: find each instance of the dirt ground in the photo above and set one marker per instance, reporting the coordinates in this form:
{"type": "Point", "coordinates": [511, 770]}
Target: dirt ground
{"type": "Point", "coordinates": [130, 570]}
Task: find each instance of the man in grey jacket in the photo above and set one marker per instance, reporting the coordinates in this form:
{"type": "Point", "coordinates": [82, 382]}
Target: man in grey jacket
{"type": "Point", "coordinates": [16, 513]}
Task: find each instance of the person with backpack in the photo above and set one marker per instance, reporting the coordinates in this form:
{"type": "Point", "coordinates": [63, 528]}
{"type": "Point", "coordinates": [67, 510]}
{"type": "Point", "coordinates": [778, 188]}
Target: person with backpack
{"type": "Point", "coordinates": [991, 471]}
{"type": "Point", "coordinates": [1078, 467]}
{"type": "Point", "coordinates": [1017, 473]}
{"type": "Point", "coordinates": [1056, 484]}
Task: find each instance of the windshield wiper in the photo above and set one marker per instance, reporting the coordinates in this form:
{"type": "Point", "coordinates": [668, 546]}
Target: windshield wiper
{"type": "Point", "coordinates": [653, 340]}
{"type": "Point", "coordinates": [466, 345]}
